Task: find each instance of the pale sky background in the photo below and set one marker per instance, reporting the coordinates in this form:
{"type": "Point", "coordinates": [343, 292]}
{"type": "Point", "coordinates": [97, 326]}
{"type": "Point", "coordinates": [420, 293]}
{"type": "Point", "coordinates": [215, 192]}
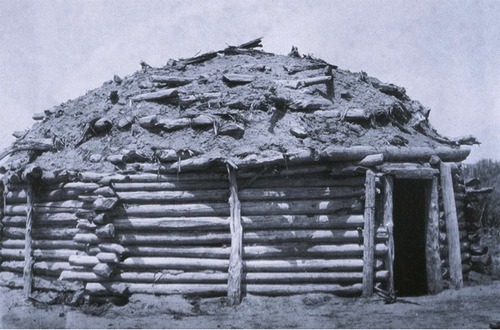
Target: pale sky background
{"type": "Point", "coordinates": [445, 53]}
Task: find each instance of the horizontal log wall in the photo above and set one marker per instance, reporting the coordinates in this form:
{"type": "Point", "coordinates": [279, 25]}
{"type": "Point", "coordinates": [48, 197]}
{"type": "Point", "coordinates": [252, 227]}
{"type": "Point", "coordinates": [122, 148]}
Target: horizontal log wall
{"type": "Point", "coordinates": [173, 232]}
{"type": "Point", "coordinates": [54, 227]}
{"type": "Point", "coordinates": [302, 232]}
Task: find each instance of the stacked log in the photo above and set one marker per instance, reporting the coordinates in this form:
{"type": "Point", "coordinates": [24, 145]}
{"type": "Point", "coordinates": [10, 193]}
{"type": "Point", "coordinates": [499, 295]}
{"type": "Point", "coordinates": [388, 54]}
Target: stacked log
{"type": "Point", "coordinates": [54, 225]}
{"type": "Point", "coordinates": [304, 235]}
{"type": "Point", "coordinates": [461, 204]}
{"type": "Point", "coordinates": [170, 235]}
{"type": "Point", "coordinates": [480, 259]}
{"type": "Point", "coordinates": [12, 255]}
{"type": "Point", "coordinates": [2, 204]}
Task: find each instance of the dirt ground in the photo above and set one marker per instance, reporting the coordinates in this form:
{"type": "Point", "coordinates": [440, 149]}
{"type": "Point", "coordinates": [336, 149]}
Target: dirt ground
{"type": "Point", "coordinates": [471, 307]}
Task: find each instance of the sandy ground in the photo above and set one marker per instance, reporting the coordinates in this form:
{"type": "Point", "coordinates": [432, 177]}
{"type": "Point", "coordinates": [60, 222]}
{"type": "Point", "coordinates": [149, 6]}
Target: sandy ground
{"type": "Point", "coordinates": [471, 307]}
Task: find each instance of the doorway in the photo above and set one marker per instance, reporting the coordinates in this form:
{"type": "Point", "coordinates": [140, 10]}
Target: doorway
{"type": "Point", "coordinates": [409, 214]}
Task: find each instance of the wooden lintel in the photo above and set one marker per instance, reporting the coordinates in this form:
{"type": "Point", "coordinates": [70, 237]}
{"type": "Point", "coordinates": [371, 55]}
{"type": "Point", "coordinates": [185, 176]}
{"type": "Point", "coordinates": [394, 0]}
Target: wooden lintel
{"type": "Point", "coordinates": [369, 234]}
{"type": "Point", "coordinates": [235, 259]}
{"type": "Point", "coordinates": [452, 232]}
{"type": "Point", "coordinates": [410, 173]}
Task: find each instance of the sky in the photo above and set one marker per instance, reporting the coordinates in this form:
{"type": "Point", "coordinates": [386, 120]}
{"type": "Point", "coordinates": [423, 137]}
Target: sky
{"type": "Point", "coordinates": [445, 53]}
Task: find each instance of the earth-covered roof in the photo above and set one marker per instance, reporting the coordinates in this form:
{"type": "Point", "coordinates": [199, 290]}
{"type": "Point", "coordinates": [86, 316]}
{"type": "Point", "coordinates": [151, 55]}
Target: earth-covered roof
{"type": "Point", "coordinates": [235, 103]}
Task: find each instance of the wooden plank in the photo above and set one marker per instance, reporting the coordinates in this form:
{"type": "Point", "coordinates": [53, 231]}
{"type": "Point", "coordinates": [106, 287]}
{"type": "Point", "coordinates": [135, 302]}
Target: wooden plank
{"type": "Point", "coordinates": [452, 233]}
{"type": "Point", "coordinates": [347, 221]}
{"type": "Point", "coordinates": [181, 177]}
{"type": "Point", "coordinates": [172, 210]}
{"type": "Point", "coordinates": [433, 260]}
{"type": "Point", "coordinates": [41, 255]}
{"type": "Point", "coordinates": [11, 254]}
{"type": "Point", "coordinates": [310, 277]}
{"type": "Point", "coordinates": [214, 195]}
{"type": "Point", "coordinates": [13, 266]}
{"type": "Point", "coordinates": [171, 223]}
{"type": "Point", "coordinates": [389, 225]}
{"type": "Point", "coordinates": [42, 233]}
{"type": "Point", "coordinates": [174, 263]}
{"type": "Point", "coordinates": [158, 289]}
{"type": "Point", "coordinates": [237, 79]}
{"type": "Point", "coordinates": [175, 239]}
{"type": "Point", "coordinates": [44, 244]}
{"type": "Point", "coordinates": [84, 187]}
{"type": "Point", "coordinates": [395, 154]}
{"type": "Point", "coordinates": [165, 186]}
{"type": "Point", "coordinates": [171, 277]}
{"type": "Point", "coordinates": [279, 290]}
{"type": "Point", "coordinates": [156, 96]}
{"type": "Point", "coordinates": [235, 259]}
{"type": "Point", "coordinates": [369, 234]}
{"type": "Point", "coordinates": [297, 236]}
{"type": "Point", "coordinates": [315, 180]}
{"type": "Point", "coordinates": [44, 219]}
{"type": "Point", "coordinates": [305, 265]}
{"type": "Point", "coordinates": [284, 170]}
{"type": "Point", "coordinates": [416, 172]}
{"type": "Point", "coordinates": [299, 207]}
{"type": "Point", "coordinates": [153, 193]}
{"type": "Point", "coordinates": [56, 195]}
{"type": "Point", "coordinates": [172, 81]}
{"type": "Point", "coordinates": [299, 193]}
{"type": "Point", "coordinates": [178, 251]}
{"type": "Point", "coordinates": [308, 250]}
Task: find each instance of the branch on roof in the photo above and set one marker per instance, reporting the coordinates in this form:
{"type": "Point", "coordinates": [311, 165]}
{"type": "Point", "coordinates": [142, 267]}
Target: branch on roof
{"type": "Point", "coordinates": [198, 59]}
{"type": "Point", "coordinates": [252, 43]}
{"type": "Point", "coordinates": [28, 145]}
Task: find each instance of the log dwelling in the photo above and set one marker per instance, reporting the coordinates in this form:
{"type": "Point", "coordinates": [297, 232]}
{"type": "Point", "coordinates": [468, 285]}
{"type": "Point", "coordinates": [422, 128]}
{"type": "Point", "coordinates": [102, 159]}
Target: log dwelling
{"type": "Point", "coordinates": [334, 195]}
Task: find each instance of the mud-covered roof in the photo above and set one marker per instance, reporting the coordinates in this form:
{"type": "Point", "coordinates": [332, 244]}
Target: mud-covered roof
{"type": "Point", "coordinates": [235, 103]}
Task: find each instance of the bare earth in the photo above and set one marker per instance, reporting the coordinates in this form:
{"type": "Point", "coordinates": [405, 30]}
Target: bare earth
{"type": "Point", "coordinates": [471, 307]}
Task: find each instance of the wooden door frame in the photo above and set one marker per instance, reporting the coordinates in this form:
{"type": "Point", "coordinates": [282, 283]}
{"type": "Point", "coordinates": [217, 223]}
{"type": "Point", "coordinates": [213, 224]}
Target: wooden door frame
{"type": "Point", "coordinates": [432, 257]}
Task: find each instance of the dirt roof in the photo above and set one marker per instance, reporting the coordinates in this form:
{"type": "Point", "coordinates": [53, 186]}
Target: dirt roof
{"type": "Point", "coordinates": [236, 102]}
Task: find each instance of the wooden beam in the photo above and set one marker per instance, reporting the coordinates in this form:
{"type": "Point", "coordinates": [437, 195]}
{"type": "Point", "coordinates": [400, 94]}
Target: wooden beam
{"type": "Point", "coordinates": [413, 172]}
{"type": "Point", "coordinates": [28, 144]}
{"type": "Point", "coordinates": [172, 80]}
{"type": "Point", "coordinates": [395, 154]}
{"type": "Point", "coordinates": [235, 259]}
{"type": "Point", "coordinates": [369, 234]}
{"type": "Point", "coordinates": [433, 260]}
{"type": "Point", "coordinates": [28, 251]}
{"type": "Point", "coordinates": [279, 290]}
{"type": "Point", "coordinates": [452, 233]}
{"type": "Point", "coordinates": [372, 160]}
{"type": "Point", "coordinates": [389, 225]}
{"type": "Point", "coordinates": [156, 96]}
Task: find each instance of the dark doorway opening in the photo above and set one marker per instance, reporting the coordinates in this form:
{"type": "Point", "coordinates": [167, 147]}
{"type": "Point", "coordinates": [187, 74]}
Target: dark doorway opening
{"type": "Point", "coordinates": [409, 237]}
